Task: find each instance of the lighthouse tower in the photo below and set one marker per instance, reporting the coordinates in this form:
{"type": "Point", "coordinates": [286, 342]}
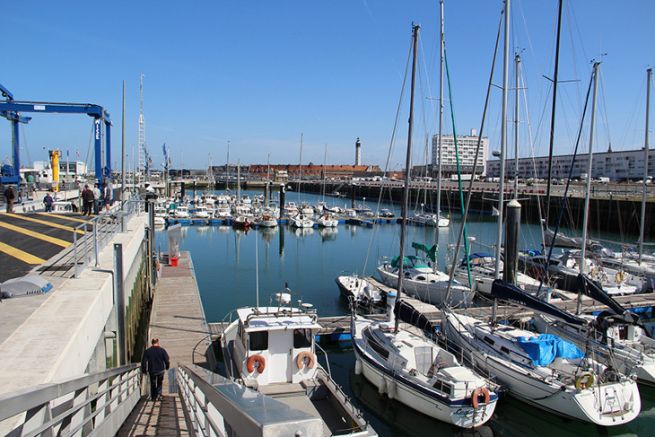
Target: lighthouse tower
{"type": "Point", "coordinates": [358, 152]}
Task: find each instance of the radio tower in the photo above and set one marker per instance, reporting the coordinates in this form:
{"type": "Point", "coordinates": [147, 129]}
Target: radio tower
{"type": "Point", "coordinates": [141, 169]}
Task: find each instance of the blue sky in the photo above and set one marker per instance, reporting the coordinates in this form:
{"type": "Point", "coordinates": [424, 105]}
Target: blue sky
{"type": "Point", "coordinates": [258, 73]}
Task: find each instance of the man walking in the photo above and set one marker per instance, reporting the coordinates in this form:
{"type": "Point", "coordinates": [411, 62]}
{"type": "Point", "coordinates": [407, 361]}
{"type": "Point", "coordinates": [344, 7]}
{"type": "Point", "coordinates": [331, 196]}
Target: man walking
{"type": "Point", "coordinates": [10, 196]}
{"type": "Point", "coordinates": [155, 362]}
{"type": "Point", "coordinates": [47, 202]}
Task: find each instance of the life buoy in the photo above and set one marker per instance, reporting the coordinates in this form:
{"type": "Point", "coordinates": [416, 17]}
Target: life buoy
{"type": "Point", "coordinates": [306, 355]}
{"type": "Point", "coordinates": [261, 363]}
{"type": "Point", "coordinates": [584, 380]}
{"type": "Point", "coordinates": [480, 392]}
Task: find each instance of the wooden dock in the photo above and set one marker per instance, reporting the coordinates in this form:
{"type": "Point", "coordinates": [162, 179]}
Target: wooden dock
{"type": "Point", "coordinates": [178, 320]}
{"type": "Point", "coordinates": [337, 328]}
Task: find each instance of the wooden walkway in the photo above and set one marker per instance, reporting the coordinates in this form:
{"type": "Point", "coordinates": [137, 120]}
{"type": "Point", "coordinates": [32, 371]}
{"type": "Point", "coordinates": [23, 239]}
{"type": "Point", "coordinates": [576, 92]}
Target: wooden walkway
{"type": "Point", "coordinates": [178, 320]}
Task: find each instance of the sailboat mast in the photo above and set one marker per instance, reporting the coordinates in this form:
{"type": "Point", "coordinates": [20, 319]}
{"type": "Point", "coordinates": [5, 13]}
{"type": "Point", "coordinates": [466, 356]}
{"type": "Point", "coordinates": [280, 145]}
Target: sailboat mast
{"type": "Point", "coordinates": [552, 112]}
{"type": "Point", "coordinates": [644, 193]}
{"type": "Point", "coordinates": [585, 218]}
{"type": "Point", "coordinates": [300, 164]}
{"type": "Point", "coordinates": [227, 168]}
{"type": "Point", "coordinates": [408, 163]}
{"type": "Point", "coordinates": [517, 72]}
{"type": "Point", "coordinates": [503, 139]}
{"type": "Point", "coordinates": [442, 46]}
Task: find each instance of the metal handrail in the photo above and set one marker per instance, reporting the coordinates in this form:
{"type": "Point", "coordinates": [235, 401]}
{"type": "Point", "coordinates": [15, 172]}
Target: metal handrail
{"type": "Point", "coordinates": [80, 402]}
{"type": "Point", "coordinates": [99, 231]}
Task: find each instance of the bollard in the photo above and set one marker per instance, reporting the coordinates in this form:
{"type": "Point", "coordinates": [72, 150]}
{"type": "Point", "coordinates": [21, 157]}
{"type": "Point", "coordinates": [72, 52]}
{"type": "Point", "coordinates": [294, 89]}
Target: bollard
{"type": "Point", "coordinates": [119, 302]}
{"type": "Point", "coordinates": [513, 225]}
{"type": "Point", "coordinates": [282, 198]}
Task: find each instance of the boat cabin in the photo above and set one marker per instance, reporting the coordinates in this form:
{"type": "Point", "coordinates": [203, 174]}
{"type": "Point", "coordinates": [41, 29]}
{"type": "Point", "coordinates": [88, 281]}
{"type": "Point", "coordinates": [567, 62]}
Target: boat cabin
{"type": "Point", "coordinates": [275, 345]}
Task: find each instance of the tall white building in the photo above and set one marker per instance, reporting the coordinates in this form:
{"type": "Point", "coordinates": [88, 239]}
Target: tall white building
{"type": "Point", "coordinates": [466, 145]}
{"type": "Point", "coordinates": [617, 165]}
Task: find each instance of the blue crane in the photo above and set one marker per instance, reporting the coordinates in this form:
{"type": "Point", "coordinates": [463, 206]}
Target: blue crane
{"type": "Point", "coordinates": [11, 110]}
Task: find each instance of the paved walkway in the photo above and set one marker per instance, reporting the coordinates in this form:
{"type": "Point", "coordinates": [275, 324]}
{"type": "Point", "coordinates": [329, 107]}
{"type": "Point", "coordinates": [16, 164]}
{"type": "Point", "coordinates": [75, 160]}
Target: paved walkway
{"type": "Point", "coordinates": [178, 320]}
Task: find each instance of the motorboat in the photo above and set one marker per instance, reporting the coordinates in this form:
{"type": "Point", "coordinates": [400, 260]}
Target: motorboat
{"type": "Point", "coordinates": [543, 370]}
{"type": "Point", "coordinates": [291, 209]}
{"type": "Point", "coordinates": [160, 215]}
{"type": "Point", "coordinates": [273, 351]}
{"type": "Point", "coordinates": [413, 370]}
{"type": "Point", "coordinates": [363, 211]}
{"type": "Point", "coordinates": [483, 269]}
{"type": "Point", "coordinates": [386, 213]}
{"type": "Point", "coordinates": [301, 222]}
{"type": "Point", "coordinates": [201, 212]}
{"type": "Point", "coordinates": [181, 212]}
{"type": "Point", "coordinates": [359, 289]}
{"type": "Point", "coordinates": [425, 282]}
{"type": "Point", "coordinates": [266, 221]}
{"type": "Point", "coordinates": [306, 210]}
{"type": "Point", "coordinates": [327, 221]}
{"type": "Point", "coordinates": [427, 219]}
{"type": "Point", "coordinates": [242, 222]}
{"type": "Point", "coordinates": [223, 211]}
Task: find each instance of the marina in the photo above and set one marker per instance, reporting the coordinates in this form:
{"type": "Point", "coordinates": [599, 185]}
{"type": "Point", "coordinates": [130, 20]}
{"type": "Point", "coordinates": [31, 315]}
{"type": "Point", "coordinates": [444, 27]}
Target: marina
{"type": "Point", "coordinates": [345, 219]}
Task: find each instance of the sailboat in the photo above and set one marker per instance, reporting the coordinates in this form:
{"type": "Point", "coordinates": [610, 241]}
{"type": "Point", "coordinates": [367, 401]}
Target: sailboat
{"type": "Point", "coordinates": [540, 369]}
{"type": "Point", "coordinates": [544, 370]}
{"type": "Point", "coordinates": [406, 365]}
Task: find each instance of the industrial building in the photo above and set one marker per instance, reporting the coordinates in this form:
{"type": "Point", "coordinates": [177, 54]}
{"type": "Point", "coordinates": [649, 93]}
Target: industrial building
{"type": "Point", "coordinates": [617, 165]}
{"type": "Point", "coordinates": [466, 145]}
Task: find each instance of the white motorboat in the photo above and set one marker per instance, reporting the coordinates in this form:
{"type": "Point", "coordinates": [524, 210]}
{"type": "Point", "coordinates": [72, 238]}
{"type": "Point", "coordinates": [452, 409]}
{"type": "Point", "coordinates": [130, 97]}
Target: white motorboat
{"type": "Point", "coordinates": [223, 211]}
{"type": "Point", "coordinates": [359, 289]}
{"type": "Point", "coordinates": [201, 212]}
{"type": "Point", "coordinates": [291, 209]}
{"type": "Point", "coordinates": [482, 267]}
{"type": "Point", "coordinates": [327, 221]}
{"type": "Point", "coordinates": [301, 222]}
{"type": "Point", "coordinates": [272, 350]}
{"type": "Point", "coordinates": [544, 370]}
{"type": "Point", "coordinates": [266, 221]}
{"type": "Point", "coordinates": [306, 210]}
{"type": "Point", "coordinates": [415, 371]}
{"type": "Point", "coordinates": [424, 282]}
{"type": "Point", "coordinates": [181, 212]}
{"type": "Point", "coordinates": [427, 219]}
{"type": "Point", "coordinates": [160, 215]}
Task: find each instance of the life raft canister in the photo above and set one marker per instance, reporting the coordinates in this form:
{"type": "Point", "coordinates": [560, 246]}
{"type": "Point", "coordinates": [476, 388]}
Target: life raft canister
{"type": "Point", "coordinates": [259, 360]}
{"type": "Point", "coordinates": [306, 355]}
{"type": "Point", "coordinates": [480, 392]}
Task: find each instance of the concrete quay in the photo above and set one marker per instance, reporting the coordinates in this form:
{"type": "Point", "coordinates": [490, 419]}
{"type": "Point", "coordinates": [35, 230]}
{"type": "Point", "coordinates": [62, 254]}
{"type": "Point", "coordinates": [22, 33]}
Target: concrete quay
{"type": "Point", "coordinates": [67, 332]}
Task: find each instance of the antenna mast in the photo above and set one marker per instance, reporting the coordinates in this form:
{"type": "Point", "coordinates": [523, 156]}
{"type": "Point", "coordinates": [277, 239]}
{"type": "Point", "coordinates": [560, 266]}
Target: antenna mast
{"type": "Point", "coordinates": [142, 135]}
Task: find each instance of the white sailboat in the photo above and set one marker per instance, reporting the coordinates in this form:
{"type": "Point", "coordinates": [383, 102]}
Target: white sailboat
{"type": "Point", "coordinates": [409, 367]}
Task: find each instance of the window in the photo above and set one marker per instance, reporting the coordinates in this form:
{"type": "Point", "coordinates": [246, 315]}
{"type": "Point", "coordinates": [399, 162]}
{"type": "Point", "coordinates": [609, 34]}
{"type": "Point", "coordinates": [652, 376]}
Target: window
{"type": "Point", "coordinates": [442, 387]}
{"type": "Point", "coordinates": [258, 341]}
{"type": "Point", "coordinates": [302, 338]}
{"type": "Point", "coordinates": [488, 340]}
{"type": "Point", "coordinates": [377, 347]}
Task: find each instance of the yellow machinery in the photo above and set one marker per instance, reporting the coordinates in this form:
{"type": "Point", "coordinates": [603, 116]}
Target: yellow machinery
{"type": "Point", "coordinates": [54, 161]}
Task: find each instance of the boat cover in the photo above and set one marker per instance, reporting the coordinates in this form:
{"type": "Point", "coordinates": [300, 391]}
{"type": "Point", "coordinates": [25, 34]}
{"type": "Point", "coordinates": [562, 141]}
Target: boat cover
{"type": "Point", "coordinates": [546, 347]}
{"type": "Point", "coordinates": [594, 290]}
{"type": "Point", "coordinates": [409, 261]}
{"type": "Point", "coordinates": [431, 252]}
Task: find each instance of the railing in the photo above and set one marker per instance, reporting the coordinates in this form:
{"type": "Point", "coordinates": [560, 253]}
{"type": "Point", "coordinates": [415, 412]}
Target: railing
{"type": "Point", "coordinates": [217, 406]}
{"type": "Point", "coordinates": [97, 403]}
{"type": "Point", "coordinates": [91, 237]}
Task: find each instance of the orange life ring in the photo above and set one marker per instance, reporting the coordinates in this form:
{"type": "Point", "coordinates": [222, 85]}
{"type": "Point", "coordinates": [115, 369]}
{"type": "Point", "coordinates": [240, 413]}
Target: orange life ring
{"type": "Point", "coordinates": [261, 363]}
{"type": "Point", "coordinates": [300, 360]}
{"type": "Point", "coordinates": [475, 396]}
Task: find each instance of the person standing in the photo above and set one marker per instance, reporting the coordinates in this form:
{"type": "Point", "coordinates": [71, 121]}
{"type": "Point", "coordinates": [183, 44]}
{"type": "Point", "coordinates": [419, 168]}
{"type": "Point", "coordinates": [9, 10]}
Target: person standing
{"type": "Point", "coordinates": [87, 200]}
{"type": "Point", "coordinates": [10, 196]}
{"type": "Point", "coordinates": [48, 201]}
{"type": "Point", "coordinates": [155, 362]}
{"type": "Point", "coordinates": [97, 196]}
{"type": "Point", "coordinates": [107, 195]}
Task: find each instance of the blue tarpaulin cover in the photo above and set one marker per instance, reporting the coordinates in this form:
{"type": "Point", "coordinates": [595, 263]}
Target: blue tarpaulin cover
{"type": "Point", "coordinates": [545, 348]}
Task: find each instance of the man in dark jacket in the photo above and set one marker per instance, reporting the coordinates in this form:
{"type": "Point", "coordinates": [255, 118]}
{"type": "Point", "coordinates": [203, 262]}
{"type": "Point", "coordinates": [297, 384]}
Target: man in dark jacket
{"type": "Point", "coordinates": [155, 362]}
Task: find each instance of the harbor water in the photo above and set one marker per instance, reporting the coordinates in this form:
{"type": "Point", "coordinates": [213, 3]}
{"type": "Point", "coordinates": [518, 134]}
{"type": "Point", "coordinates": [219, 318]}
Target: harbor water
{"type": "Point", "coordinates": [308, 261]}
